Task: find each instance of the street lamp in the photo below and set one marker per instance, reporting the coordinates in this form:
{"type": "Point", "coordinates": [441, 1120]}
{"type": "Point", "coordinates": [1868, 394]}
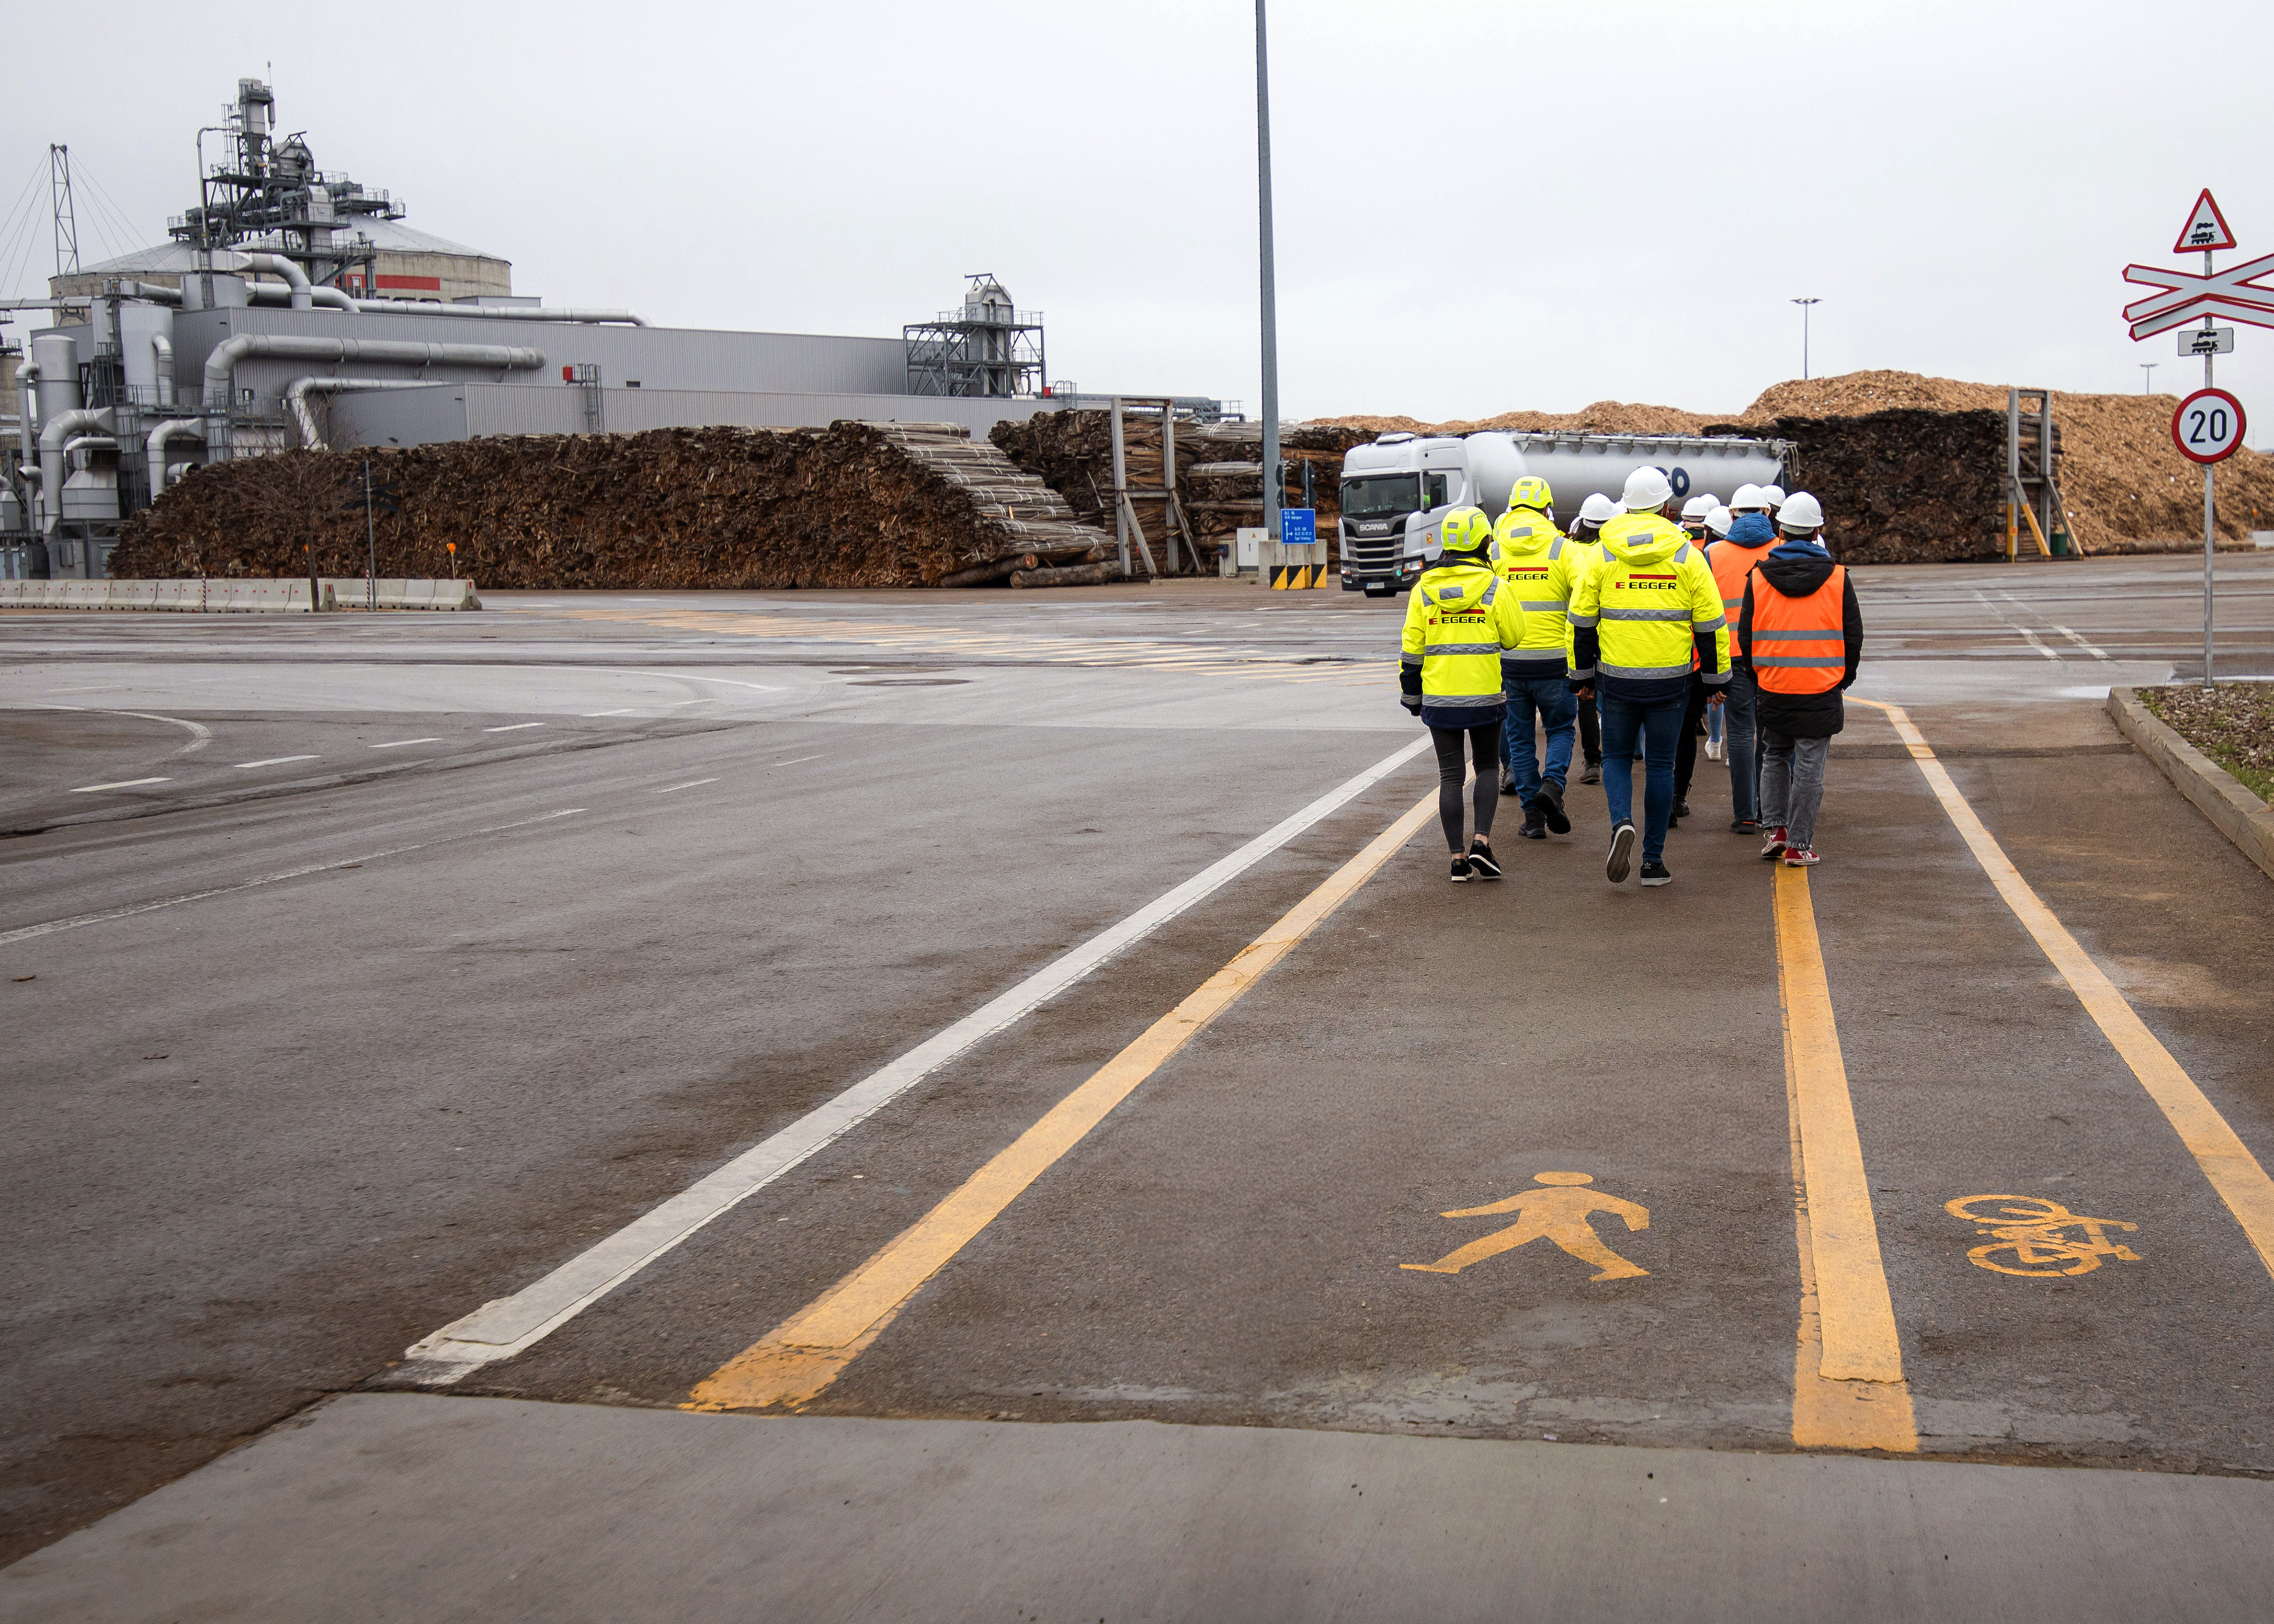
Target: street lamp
{"type": "Point", "coordinates": [1804, 305]}
{"type": "Point", "coordinates": [1270, 293]}
{"type": "Point", "coordinates": [2148, 384]}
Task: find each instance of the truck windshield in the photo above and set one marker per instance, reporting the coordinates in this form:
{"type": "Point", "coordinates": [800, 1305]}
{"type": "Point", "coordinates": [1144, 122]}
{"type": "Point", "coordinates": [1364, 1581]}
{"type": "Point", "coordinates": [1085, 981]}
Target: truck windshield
{"type": "Point", "coordinates": [1385, 494]}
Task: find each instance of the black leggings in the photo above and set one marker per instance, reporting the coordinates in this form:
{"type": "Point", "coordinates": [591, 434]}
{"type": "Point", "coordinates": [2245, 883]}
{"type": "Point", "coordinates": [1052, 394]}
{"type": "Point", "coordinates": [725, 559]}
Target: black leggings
{"type": "Point", "coordinates": [1484, 744]}
{"type": "Point", "coordinates": [1591, 732]}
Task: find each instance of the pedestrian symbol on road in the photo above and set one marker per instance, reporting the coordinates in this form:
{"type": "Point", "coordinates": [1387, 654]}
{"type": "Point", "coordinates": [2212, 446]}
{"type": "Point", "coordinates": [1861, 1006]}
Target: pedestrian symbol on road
{"type": "Point", "coordinates": [2037, 1237]}
{"type": "Point", "coordinates": [1560, 1214]}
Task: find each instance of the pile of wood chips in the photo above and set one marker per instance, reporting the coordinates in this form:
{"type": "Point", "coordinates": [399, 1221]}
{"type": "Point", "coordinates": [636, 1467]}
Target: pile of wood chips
{"type": "Point", "coordinates": [853, 505]}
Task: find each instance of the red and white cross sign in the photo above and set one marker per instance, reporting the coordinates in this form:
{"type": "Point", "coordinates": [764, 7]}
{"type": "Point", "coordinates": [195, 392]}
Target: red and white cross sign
{"type": "Point", "coordinates": [2236, 294]}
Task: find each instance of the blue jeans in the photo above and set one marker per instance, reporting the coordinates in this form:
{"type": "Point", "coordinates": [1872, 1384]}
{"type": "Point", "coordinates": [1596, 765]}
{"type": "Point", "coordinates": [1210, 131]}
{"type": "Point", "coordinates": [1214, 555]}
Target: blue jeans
{"type": "Point", "coordinates": [1739, 708]}
{"type": "Point", "coordinates": [1658, 722]}
{"type": "Point", "coordinates": [1550, 699]}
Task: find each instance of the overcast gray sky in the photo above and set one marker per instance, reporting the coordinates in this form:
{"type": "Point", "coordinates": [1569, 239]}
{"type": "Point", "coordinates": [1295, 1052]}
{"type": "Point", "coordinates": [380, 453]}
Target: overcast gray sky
{"type": "Point", "coordinates": [1481, 207]}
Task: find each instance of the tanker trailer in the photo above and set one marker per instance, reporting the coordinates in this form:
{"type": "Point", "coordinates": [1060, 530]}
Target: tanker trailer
{"type": "Point", "coordinates": [1397, 490]}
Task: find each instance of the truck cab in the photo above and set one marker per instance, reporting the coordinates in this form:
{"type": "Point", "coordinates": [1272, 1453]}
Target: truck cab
{"type": "Point", "coordinates": [1394, 492]}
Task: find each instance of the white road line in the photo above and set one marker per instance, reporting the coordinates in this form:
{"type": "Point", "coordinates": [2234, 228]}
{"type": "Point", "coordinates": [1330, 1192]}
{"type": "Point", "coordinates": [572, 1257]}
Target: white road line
{"type": "Point", "coordinates": [512, 727]}
{"type": "Point", "coordinates": [688, 676]}
{"type": "Point", "coordinates": [506, 1326]}
{"type": "Point", "coordinates": [2099, 654]}
{"type": "Point", "coordinates": [277, 761]}
{"type": "Point", "coordinates": [200, 735]}
{"type": "Point", "coordinates": [693, 783]}
{"type": "Point", "coordinates": [2033, 640]}
{"type": "Point", "coordinates": [24, 933]}
{"type": "Point", "coordinates": [794, 760]}
{"type": "Point", "coordinates": [627, 711]}
{"type": "Point", "coordinates": [396, 744]}
{"type": "Point", "coordinates": [89, 789]}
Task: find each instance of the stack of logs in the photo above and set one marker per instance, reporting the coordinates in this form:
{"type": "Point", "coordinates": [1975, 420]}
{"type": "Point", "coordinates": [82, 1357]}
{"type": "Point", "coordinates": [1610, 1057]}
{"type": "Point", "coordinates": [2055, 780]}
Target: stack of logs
{"type": "Point", "coordinates": [1904, 486]}
{"type": "Point", "coordinates": [855, 505]}
{"type": "Point", "coordinates": [1219, 474]}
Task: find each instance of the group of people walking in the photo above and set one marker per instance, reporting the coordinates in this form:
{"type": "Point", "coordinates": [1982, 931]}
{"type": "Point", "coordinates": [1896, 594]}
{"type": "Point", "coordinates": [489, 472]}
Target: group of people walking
{"type": "Point", "coordinates": [1622, 638]}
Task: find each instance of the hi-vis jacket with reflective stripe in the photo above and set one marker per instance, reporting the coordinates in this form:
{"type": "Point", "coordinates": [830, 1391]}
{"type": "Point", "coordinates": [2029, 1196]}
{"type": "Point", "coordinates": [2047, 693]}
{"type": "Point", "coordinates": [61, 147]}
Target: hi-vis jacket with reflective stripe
{"type": "Point", "coordinates": [1459, 623]}
{"type": "Point", "coordinates": [1648, 604]}
{"type": "Point", "coordinates": [1732, 562]}
{"type": "Point", "coordinates": [1800, 643]}
{"type": "Point", "coordinates": [1544, 569]}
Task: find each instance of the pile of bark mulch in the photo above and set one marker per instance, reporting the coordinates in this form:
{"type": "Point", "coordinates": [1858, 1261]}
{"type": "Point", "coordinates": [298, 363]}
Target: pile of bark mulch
{"type": "Point", "coordinates": [2232, 724]}
{"type": "Point", "coordinates": [854, 505]}
{"type": "Point", "coordinates": [1905, 486]}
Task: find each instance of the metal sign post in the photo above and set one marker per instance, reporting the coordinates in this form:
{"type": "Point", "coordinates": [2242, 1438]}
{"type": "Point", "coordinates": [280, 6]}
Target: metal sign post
{"type": "Point", "coordinates": [2201, 426]}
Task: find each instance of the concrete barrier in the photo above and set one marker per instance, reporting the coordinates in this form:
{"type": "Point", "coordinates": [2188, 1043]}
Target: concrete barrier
{"type": "Point", "coordinates": [220, 596]}
{"type": "Point", "coordinates": [2238, 813]}
{"type": "Point", "coordinates": [355, 592]}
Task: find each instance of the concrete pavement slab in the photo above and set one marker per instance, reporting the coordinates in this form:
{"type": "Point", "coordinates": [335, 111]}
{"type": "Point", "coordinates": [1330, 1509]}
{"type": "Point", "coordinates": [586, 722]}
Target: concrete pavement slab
{"type": "Point", "coordinates": [399, 1507]}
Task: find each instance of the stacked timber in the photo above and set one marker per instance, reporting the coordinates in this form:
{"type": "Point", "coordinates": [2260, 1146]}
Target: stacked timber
{"type": "Point", "coordinates": [854, 505]}
{"type": "Point", "coordinates": [1219, 473]}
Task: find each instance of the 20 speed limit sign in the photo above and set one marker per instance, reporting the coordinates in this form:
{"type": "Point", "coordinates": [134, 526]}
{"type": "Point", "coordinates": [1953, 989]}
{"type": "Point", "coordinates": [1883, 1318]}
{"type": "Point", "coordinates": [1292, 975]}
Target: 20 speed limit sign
{"type": "Point", "coordinates": [2208, 426]}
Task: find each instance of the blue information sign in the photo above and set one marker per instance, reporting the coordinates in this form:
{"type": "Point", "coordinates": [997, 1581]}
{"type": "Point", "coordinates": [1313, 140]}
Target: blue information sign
{"type": "Point", "coordinates": [1299, 527]}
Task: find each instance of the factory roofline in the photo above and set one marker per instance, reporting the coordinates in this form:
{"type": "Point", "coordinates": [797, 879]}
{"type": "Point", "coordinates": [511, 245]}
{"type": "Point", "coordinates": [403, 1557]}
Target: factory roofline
{"type": "Point", "coordinates": [386, 236]}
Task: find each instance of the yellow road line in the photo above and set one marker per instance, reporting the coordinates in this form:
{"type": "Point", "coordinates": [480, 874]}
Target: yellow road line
{"type": "Point", "coordinates": [1856, 1313]}
{"type": "Point", "coordinates": [2226, 1161]}
{"type": "Point", "coordinates": [795, 1361]}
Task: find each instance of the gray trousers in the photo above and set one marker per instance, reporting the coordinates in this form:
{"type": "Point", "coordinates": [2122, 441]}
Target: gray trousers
{"type": "Point", "coordinates": [1792, 784]}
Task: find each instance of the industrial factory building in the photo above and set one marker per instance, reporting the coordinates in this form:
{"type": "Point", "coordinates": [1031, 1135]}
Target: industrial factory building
{"type": "Point", "coordinates": [291, 307]}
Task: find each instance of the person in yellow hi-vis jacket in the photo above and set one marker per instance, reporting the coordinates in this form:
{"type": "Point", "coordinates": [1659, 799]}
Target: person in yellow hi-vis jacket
{"type": "Point", "coordinates": [1544, 567]}
{"type": "Point", "coordinates": [1635, 622]}
{"type": "Point", "coordinates": [1459, 623]}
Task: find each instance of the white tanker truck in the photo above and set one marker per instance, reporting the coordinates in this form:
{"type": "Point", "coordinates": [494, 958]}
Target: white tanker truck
{"type": "Point", "coordinates": [1396, 491]}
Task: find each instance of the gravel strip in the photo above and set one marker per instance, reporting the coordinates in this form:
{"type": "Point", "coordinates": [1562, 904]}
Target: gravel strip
{"type": "Point", "coordinates": [2232, 724]}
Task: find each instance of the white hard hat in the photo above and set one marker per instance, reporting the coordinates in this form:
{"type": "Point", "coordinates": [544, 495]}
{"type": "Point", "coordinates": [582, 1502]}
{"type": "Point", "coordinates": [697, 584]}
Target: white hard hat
{"type": "Point", "coordinates": [1771, 496]}
{"type": "Point", "coordinates": [1647, 488]}
{"type": "Point", "coordinates": [1599, 509]}
{"type": "Point", "coordinates": [1801, 512]}
{"type": "Point", "coordinates": [1747, 496]}
{"type": "Point", "coordinates": [1697, 507]}
{"type": "Point", "coordinates": [1718, 520]}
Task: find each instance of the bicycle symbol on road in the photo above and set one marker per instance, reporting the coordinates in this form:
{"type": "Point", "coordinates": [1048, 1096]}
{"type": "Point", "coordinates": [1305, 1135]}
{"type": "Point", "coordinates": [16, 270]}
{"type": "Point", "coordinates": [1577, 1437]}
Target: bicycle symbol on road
{"type": "Point", "coordinates": [2038, 1238]}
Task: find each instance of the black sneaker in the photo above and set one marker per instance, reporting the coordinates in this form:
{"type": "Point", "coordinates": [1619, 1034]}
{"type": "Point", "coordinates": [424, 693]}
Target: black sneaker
{"type": "Point", "coordinates": [1535, 826]}
{"type": "Point", "coordinates": [1622, 844]}
{"type": "Point", "coordinates": [1506, 779]}
{"type": "Point", "coordinates": [1482, 863]}
{"type": "Point", "coordinates": [1549, 804]}
{"type": "Point", "coordinates": [1460, 874]}
{"type": "Point", "coordinates": [1655, 873]}
{"type": "Point", "coordinates": [1682, 809]}
{"type": "Point", "coordinates": [1744, 826]}
{"type": "Point", "coordinates": [1595, 773]}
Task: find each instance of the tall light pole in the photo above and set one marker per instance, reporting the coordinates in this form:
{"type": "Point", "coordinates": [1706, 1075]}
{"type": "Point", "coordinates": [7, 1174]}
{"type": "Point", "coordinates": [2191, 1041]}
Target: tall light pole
{"type": "Point", "coordinates": [1270, 292]}
{"type": "Point", "coordinates": [1804, 305]}
{"type": "Point", "coordinates": [2147, 383]}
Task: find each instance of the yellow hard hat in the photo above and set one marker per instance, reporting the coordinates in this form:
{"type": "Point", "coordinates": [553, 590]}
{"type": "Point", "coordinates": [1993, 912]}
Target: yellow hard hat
{"type": "Point", "coordinates": [1531, 491]}
{"type": "Point", "coordinates": [1465, 530]}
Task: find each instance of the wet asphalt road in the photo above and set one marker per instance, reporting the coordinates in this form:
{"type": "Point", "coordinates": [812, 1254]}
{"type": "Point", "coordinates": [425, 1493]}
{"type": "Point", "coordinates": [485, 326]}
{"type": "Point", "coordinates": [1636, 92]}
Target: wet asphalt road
{"type": "Point", "coordinates": [439, 949]}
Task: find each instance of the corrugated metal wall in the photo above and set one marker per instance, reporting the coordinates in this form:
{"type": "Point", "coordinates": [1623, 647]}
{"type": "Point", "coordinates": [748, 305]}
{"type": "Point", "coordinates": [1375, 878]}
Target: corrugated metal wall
{"type": "Point", "coordinates": [507, 409]}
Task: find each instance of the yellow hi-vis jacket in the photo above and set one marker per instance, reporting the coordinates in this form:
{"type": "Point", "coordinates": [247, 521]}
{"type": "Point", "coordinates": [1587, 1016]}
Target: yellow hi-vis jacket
{"type": "Point", "coordinates": [1459, 621]}
{"type": "Point", "coordinates": [1653, 594]}
{"type": "Point", "coordinates": [1544, 567]}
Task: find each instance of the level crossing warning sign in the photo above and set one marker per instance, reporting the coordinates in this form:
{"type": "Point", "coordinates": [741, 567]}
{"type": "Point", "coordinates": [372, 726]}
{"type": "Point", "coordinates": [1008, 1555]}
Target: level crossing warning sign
{"type": "Point", "coordinates": [2206, 228]}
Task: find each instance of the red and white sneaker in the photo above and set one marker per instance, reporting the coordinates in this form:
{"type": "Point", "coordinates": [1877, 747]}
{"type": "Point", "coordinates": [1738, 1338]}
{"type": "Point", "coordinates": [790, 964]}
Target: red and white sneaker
{"type": "Point", "coordinates": [1773, 845]}
{"type": "Point", "coordinates": [1799, 857]}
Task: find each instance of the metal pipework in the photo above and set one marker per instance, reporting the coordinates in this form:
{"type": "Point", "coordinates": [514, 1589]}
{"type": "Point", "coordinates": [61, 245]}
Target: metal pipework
{"type": "Point", "coordinates": [173, 428]}
{"type": "Point", "coordinates": [296, 394]}
{"type": "Point", "coordinates": [293, 275]}
{"type": "Point", "coordinates": [221, 365]}
{"type": "Point", "coordinates": [497, 313]}
{"type": "Point", "coordinates": [27, 411]}
{"type": "Point", "coordinates": [324, 299]}
{"type": "Point", "coordinates": [55, 434]}
{"type": "Point", "coordinates": [151, 291]}
{"type": "Point", "coordinates": [161, 353]}
{"type": "Point", "coordinates": [88, 442]}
